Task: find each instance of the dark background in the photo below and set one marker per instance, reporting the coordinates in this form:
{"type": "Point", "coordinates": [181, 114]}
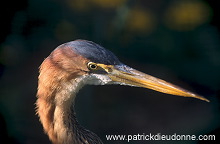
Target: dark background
{"type": "Point", "coordinates": [178, 41]}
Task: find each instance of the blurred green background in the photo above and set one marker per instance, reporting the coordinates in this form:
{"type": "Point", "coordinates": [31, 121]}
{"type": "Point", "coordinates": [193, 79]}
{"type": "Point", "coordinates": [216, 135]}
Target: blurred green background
{"type": "Point", "coordinates": [178, 41]}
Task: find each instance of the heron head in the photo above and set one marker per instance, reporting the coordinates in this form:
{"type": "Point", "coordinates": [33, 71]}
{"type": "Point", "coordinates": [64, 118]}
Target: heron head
{"type": "Point", "coordinates": [99, 66]}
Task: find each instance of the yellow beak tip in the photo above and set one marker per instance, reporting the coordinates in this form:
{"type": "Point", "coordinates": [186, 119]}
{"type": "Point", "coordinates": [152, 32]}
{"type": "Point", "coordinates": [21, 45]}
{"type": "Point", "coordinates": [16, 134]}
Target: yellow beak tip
{"type": "Point", "coordinates": [206, 100]}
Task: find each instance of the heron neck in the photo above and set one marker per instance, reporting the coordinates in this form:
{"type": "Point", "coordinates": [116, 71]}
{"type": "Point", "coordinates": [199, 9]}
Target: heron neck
{"type": "Point", "coordinates": [57, 113]}
{"type": "Point", "coordinates": [65, 124]}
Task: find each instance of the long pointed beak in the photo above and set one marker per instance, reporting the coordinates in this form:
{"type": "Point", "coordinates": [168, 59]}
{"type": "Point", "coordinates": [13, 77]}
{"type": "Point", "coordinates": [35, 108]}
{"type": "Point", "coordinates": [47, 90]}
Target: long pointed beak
{"type": "Point", "coordinates": [123, 74]}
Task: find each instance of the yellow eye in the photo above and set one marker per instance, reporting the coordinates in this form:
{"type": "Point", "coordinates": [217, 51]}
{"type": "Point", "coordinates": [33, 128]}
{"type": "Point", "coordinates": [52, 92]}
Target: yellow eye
{"type": "Point", "coordinates": [92, 66]}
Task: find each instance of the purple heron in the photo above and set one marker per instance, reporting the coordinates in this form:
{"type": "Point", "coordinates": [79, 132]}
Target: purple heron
{"type": "Point", "coordinates": [71, 66]}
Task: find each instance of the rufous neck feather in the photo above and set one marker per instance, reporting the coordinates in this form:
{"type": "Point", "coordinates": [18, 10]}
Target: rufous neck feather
{"type": "Point", "coordinates": [55, 106]}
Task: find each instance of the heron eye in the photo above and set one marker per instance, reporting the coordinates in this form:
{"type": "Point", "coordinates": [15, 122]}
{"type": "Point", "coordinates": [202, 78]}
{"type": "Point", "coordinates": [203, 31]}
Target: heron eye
{"type": "Point", "coordinates": [92, 66]}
